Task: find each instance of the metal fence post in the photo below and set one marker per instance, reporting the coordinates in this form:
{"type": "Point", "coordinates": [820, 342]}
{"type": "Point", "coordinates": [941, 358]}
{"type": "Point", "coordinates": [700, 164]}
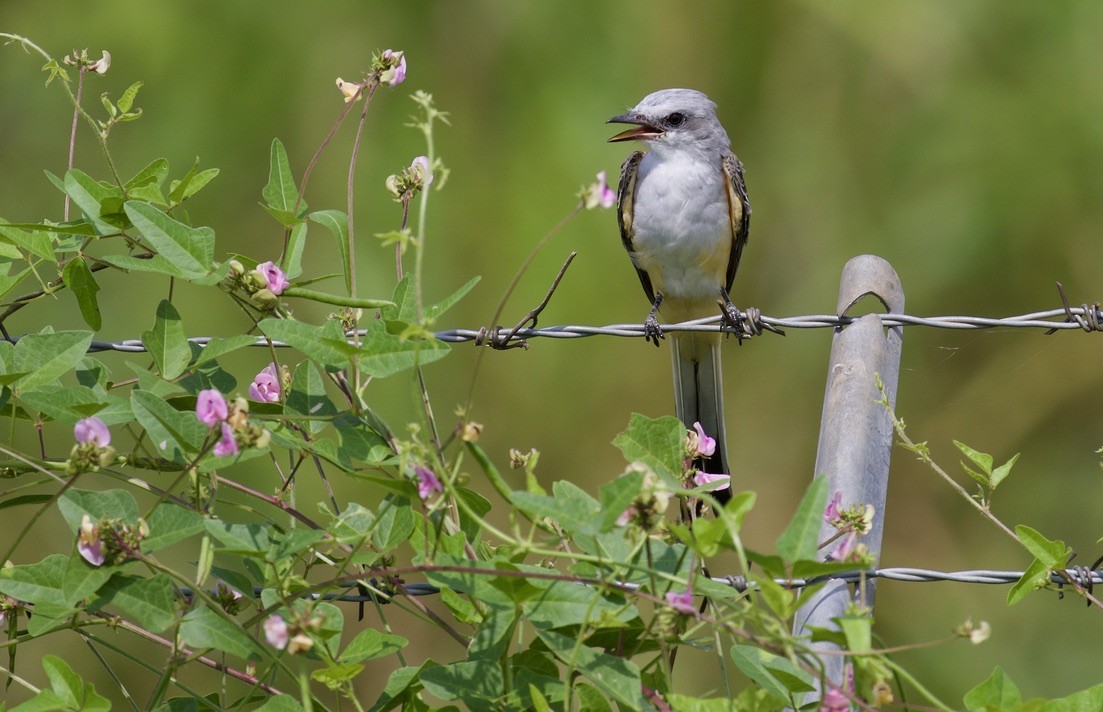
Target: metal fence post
{"type": "Point", "coordinates": [856, 432]}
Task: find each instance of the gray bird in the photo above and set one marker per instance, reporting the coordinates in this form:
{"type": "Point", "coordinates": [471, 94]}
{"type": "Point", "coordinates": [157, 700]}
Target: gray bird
{"type": "Point", "coordinates": [684, 217]}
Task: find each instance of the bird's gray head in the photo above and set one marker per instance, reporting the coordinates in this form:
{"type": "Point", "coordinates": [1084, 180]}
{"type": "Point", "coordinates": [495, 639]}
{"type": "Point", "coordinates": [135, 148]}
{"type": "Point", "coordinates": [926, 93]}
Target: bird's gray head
{"type": "Point", "coordinates": [674, 120]}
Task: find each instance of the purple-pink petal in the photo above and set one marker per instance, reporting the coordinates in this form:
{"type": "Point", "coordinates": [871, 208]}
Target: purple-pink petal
{"type": "Point", "coordinates": [706, 446]}
{"type": "Point", "coordinates": [681, 602]}
{"type": "Point", "coordinates": [275, 278]}
{"type": "Point", "coordinates": [275, 632]}
{"type": "Point", "coordinates": [428, 484]}
{"type": "Point", "coordinates": [831, 512]}
{"type": "Point", "coordinates": [210, 407]}
{"type": "Point", "coordinates": [266, 387]}
{"type": "Point", "coordinates": [92, 430]}
{"type": "Point", "coordinates": [226, 445]}
{"type": "Point", "coordinates": [712, 483]}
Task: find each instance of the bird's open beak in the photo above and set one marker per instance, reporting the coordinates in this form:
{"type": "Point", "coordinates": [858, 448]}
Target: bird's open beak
{"type": "Point", "coordinates": [642, 131]}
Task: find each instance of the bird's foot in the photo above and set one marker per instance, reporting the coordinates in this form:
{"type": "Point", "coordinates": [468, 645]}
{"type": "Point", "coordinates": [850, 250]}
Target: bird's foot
{"type": "Point", "coordinates": [732, 317]}
{"type": "Point", "coordinates": [651, 329]}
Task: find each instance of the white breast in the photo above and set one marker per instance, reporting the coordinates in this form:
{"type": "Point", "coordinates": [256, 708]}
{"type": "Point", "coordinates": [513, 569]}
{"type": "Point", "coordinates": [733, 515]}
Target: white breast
{"type": "Point", "coordinates": [682, 227]}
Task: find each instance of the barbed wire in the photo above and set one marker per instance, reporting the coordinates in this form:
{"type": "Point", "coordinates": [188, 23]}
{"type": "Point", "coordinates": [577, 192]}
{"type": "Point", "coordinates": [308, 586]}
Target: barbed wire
{"type": "Point", "coordinates": [1079, 576]}
{"type": "Point", "coordinates": [1085, 318]}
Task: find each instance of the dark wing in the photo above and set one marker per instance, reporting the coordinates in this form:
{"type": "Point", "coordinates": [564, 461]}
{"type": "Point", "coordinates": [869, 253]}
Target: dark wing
{"type": "Point", "coordinates": [739, 208]}
{"type": "Point", "coordinates": [626, 199]}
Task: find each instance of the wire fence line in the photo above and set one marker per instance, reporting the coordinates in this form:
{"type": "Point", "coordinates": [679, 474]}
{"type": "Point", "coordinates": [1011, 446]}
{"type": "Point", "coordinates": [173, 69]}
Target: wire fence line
{"type": "Point", "coordinates": [1084, 318]}
{"type": "Point", "coordinates": [1080, 576]}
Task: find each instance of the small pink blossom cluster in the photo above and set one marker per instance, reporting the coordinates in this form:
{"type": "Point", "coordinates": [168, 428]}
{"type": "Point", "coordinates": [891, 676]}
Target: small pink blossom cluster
{"type": "Point", "coordinates": [93, 446]}
{"type": "Point", "coordinates": [598, 194]}
{"type": "Point", "coordinates": [850, 523]}
{"type": "Point", "coordinates": [109, 539]}
{"type": "Point", "coordinates": [267, 385]}
{"type": "Point", "coordinates": [211, 409]}
{"type": "Point", "coordinates": [700, 446]}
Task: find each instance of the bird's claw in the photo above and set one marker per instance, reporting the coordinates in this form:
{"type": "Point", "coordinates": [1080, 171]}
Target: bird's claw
{"type": "Point", "coordinates": [651, 330]}
{"type": "Point", "coordinates": [733, 318]}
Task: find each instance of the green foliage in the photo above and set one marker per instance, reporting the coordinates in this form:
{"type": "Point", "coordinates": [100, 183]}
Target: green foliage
{"type": "Point", "coordinates": [551, 595]}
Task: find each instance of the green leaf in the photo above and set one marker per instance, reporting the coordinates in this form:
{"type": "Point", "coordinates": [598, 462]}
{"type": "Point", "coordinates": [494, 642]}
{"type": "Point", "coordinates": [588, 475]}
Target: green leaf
{"type": "Point", "coordinates": [1053, 554]}
{"type": "Point", "coordinates": [167, 343]}
{"type": "Point", "coordinates": [156, 264]}
{"type": "Point", "coordinates": [78, 278]}
{"type": "Point", "coordinates": [308, 396]}
{"type": "Point", "coordinates": [773, 673]}
{"type": "Point", "coordinates": [400, 686]}
{"type": "Point", "coordinates": [658, 442]}
{"type": "Point", "coordinates": [66, 404]}
{"type": "Point", "coordinates": [10, 282]}
{"type": "Point", "coordinates": [70, 688]}
{"type": "Point", "coordinates": [37, 583]}
{"type": "Point", "coordinates": [45, 356]}
{"type": "Point", "coordinates": [174, 434]}
{"type": "Point", "coordinates": [616, 496]}
{"type": "Point", "coordinates": [1084, 701]}
{"type": "Point", "coordinates": [616, 677]}
{"type": "Point", "coordinates": [445, 304]}
{"type": "Point", "coordinates": [370, 644]}
{"type": "Point", "coordinates": [335, 676]}
{"type": "Point", "coordinates": [150, 601]}
{"type": "Point", "coordinates": [405, 302]}
{"type": "Point", "coordinates": [127, 99]}
{"type": "Point", "coordinates": [110, 504]}
{"type": "Point", "coordinates": [317, 343]}
{"type": "Point", "coordinates": [800, 540]}
{"type": "Point", "coordinates": [293, 258]}
{"type": "Point", "coordinates": [981, 459]}
{"type": "Point", "coordinates": [478, 679]}
{"type": "Point", "coordinates": [574, 509]}
{"type": "Point", "coordinates": [394, 523]}
{"type": "Point", "coordinates": [998, 692]}
{"type": "Point", "coordinates": [36, 242]}
{"type": "Point", "coordinates": [1001, 472]}
{"type": "Point", "coordinates": [281, 703]}
{"type": "Point", "coordinates": [170, 523]}
{"type": "Point", "coordinates": [383, 354]}
{"type": "Point", "coordinates": [248, 539]}
{"type": "Point", "coordinates": [197, 183]}
{"type": "Point", "coordinates": [220, 346]}
{"type": "Point", "coordinates": [153, 174]}
{"type": "Point", "coordinates": [88, 194]}
{"type": "Point", "coordinates": [280, 192]}
{"type": "Point", "coordinates": [337, 223]}
{"type": "Point", "coordinates": [190, 250]}
{"type": "Point", "coordinates": [202, 628]}
{"type": "Point", "coordinates": [82, 579]}
{"type": "Point", "coordinates": [1035, 577]}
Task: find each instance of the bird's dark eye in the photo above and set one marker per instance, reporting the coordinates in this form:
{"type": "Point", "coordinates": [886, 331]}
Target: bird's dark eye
{"type": "Point", "coordinates": [676, 119]}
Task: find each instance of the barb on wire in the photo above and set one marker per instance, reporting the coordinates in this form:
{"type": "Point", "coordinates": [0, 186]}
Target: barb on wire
{"type": "Point", "coordinates": [496, 340]}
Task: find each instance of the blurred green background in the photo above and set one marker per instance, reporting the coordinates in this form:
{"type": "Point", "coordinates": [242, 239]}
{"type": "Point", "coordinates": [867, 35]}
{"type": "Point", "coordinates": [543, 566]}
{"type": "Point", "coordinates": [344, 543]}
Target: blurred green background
{"type": "Point", "coordinates": [960, 141]}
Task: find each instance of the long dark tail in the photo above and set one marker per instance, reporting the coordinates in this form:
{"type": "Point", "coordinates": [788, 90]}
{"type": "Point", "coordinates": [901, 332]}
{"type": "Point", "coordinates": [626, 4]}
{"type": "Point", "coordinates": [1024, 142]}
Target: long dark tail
{"type": "Point", "coordinates": [699, 395]}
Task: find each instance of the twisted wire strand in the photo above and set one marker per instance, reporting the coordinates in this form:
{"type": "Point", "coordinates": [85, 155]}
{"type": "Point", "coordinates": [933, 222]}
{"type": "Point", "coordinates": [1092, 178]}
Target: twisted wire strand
{"type": "Point", "coordinates": [898, 573]}
{"type": "Point", "coordinates": [1083, 318]}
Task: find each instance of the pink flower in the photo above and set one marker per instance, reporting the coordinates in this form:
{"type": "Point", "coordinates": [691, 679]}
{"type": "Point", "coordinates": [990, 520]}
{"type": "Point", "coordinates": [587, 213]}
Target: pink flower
{"type": "Point", "coordinates": [396, 74]}
{"type": "Point", "coordinates": [681, 602]}
{"type": "Point", "coordinates": [275, 632]}
{"type": "Point", "coordinates": [226, 445]}
{"type": "Point", "coordinates": [712, 483]}
{"type": "Point", "coordinates": [428, 484]}
{"type": "Point", "coordinates": [834, 701]}
{"type": "Point", "coordinates": [420, 166]}
{"type": "Point", "coordinates": [607, 197]}
{"type": "Point", "coordinates": [845, 547]}
{"type": "Point", "coordinates": [88, 542]}
{"type": "Point", "coordinates": [92, 430]}
{"type": "Point", "coordinates": [702, 445]}
{"type": "Point", "coordinates": [274, 276]}
{"type": "Point", "coordinates": [210, 407]}
{"type": "Point", "coordinates": [831, 512]}
{"type": "Point", "coordinates": [265, 388]}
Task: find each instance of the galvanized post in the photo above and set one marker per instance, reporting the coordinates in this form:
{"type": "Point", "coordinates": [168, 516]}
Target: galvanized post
{"type": "Point", "coordinates": [855, 431]}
